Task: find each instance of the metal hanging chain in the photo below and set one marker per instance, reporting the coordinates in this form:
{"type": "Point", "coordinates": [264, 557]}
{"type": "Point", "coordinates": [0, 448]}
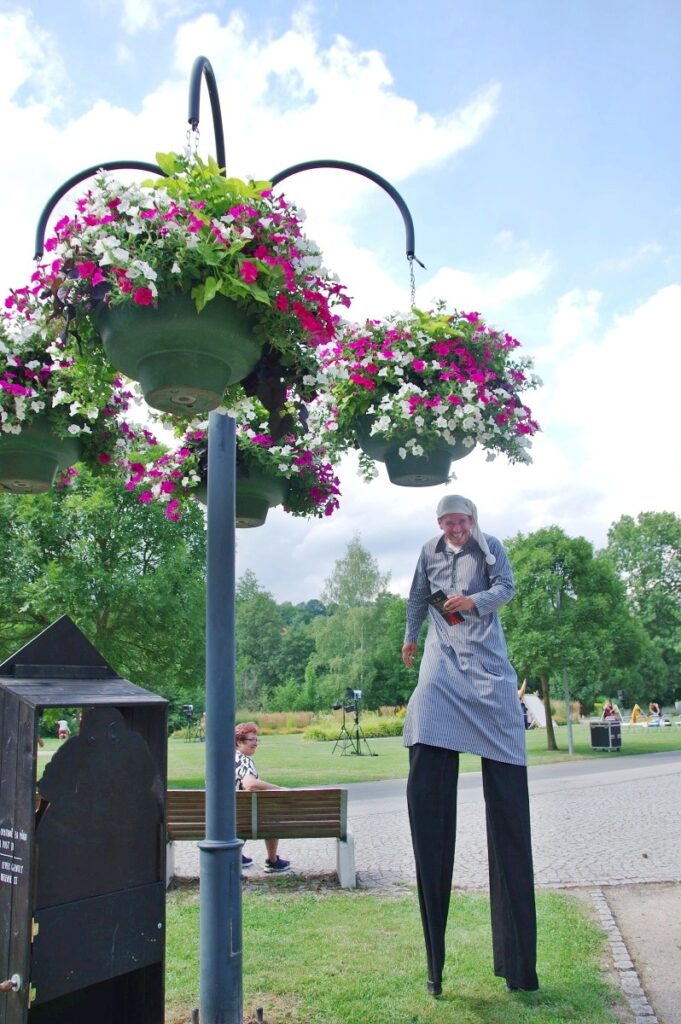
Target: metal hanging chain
{"type": "Point", "coordinates": [412, 279]}
{"type": "Point", "coordinates": [191, 146]}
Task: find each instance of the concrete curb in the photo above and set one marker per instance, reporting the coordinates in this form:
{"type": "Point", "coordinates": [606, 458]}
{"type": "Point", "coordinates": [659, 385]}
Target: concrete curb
{"type": "Point", "coordinates": [629, 980]}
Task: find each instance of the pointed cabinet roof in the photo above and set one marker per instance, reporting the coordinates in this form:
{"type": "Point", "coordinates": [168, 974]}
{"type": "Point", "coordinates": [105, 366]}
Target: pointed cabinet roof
{"type": "Point", "coordinates": [61, 668]}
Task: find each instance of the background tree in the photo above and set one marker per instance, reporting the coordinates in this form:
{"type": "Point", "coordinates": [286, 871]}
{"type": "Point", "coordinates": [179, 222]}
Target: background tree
{"type": "Point", "coordinates": [356, 579]}
{"type": "Point", "coordinates": [392, 682]}
{"type": "Point", "coordinates": [569, 612]}
{"type": "Point", "coordinates": [259, 638]}
{"type": "Point", "coordinates": [344, 640]}
{"type": "Point", "coordinates": [647, 554]}
{"type": "Point", "coordinates": [133, 582]}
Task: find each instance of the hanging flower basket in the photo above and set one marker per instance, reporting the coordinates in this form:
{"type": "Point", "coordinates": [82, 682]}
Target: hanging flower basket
{"type": "Point", "coordinates": [431, 386]}
{"type": "Point", "coordinates": [183, 279]}
{"type": "Point", "coordinates": [406, 468]}
{"type": "Point", "coordinates": [293, 471]}
{"type": "Point", "coordinates": [183, 359]}
{"type": "Point", "coordinates": [30, 461]}
{"type": "Point", "coordinates": [256, 494]}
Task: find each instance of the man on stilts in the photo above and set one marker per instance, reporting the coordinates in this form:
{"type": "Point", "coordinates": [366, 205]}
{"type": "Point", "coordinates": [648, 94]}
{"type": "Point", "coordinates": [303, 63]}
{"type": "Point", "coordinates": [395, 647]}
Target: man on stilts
{"type": "Point", "coordinates": [466, 700]}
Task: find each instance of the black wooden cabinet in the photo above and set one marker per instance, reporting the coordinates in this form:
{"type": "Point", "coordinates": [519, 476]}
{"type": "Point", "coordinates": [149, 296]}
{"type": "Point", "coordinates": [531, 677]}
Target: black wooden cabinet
{"type": "Point", "coordinates": [82, 850]}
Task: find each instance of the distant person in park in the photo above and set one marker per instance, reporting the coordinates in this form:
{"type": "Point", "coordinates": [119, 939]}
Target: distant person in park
{"type": "Point", "coordinates": [246, 737]}
{"type": "Point", "coordinates": [637, 716]}
{"type": "Point", "coordinates": [610, 710]}
{"type": "Point", "coordinates": [63, 731]}
{"type": "Point", "coordinates": [528, 718]}
{"type": "Point", "coordinates": [654, 708]}
{"type": "Point", "coordinates": [466, 700]}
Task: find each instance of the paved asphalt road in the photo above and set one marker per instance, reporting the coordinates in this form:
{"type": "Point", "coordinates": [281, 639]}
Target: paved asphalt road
{"type": "Point", "coordinates": [609, 821]}
{"type": "Point", "coordinates": [596, 822]}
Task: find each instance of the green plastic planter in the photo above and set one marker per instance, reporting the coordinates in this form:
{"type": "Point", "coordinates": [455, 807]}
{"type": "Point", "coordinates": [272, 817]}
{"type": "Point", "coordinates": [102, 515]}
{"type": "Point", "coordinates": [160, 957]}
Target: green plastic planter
{"type": "Point", "coordinates": [182, 359]}
{"type": "Point", "coordinates": [428, 470]}
{"type": "Point", "coordinates": [30, 461]}
{"type": "Point", "coordinates": [256, 494]}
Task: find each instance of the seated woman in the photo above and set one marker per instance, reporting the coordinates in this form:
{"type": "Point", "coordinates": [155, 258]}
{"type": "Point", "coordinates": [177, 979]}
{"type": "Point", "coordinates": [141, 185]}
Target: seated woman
{"type": "Point", "coordinates": [246, 740]}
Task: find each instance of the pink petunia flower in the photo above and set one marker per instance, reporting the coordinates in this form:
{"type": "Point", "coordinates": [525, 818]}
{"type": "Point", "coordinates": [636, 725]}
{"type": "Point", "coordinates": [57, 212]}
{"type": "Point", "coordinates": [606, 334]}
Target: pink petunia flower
{"type": "Point", "coordinates": [248, 271]}
{"type": "Point", "coordinates": [172, 510]}
{"type": "Point", "coordinates": [143, 296]}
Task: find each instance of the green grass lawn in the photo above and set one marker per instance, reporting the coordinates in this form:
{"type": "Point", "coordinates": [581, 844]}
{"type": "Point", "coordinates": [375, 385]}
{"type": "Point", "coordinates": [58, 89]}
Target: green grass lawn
{"type": "Point", "coordinates": [334, 957]}
{"type": "Point", "coordinates": [292, 761]}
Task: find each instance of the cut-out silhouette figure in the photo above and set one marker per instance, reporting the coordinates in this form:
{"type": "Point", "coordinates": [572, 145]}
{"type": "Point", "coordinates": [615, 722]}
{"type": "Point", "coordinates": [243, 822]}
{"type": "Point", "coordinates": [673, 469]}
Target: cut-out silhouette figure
{"type": "Point", "coordinates": [99, 828]}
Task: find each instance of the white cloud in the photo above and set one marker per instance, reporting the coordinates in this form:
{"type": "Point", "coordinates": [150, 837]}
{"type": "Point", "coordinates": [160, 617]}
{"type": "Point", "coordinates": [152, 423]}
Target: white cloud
{"type": "Point", "coordinates": [646, 251]}
{"type": "Point", "coordinates": [148, 15]}
{"type": "Point", "coordinates": [575, 321]}
{"type": "Point", "coordinates": [30, 63]}
{"type": "Point", "coordinates": [610, 407]}
{"type": "Point", "coordinates": [489, 293]}
{"type": "Point", "coordinates": [338, 102]}
{"type": "Point", "coordinates": [124, 54]}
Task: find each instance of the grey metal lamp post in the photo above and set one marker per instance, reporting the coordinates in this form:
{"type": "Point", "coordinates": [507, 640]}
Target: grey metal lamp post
{"type": "Point", "coordinates": [220, 852]}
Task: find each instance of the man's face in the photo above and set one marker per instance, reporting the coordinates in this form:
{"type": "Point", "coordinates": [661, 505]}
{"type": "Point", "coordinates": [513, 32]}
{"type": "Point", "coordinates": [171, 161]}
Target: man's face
{"type": "Point", "coordinates": [456, 528]}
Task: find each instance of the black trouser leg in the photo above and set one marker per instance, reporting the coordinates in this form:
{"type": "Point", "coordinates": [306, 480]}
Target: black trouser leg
{"type": "Point", "coordinates": [511, 877]}
{"type": "Point", "coordinates": [431, 799]}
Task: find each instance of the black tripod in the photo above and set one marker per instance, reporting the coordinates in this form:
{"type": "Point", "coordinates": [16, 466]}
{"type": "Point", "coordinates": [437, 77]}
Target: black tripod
{"type": "Point", "coordinates": [191, 728]}
{"type": "Point", "coordinates": [351, 740]}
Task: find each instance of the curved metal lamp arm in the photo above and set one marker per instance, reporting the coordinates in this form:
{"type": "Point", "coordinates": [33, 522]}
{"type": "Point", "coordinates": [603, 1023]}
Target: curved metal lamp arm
{"type": "Point", "coordinates": [344, 165]}
{"type": "Point", "coordinates": [202, 66]}
{"type": "Point", "coordinates": [110, 165]}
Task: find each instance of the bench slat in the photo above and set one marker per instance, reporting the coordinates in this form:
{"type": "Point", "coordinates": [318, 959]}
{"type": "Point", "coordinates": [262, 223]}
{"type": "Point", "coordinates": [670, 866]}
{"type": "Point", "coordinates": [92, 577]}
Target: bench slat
{"type": "Point", "coordinates": [284, 814]}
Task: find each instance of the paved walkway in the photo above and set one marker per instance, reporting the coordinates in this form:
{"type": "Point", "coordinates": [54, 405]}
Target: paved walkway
{"type": "Point", "coordinates": [612, 824]}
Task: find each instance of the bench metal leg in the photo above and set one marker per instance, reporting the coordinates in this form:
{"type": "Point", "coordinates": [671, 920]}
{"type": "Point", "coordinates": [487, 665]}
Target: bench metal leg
{"type": "Point", "coordinates": [345, 862]}
{"type": "Point", "coordinates": [170, 864]}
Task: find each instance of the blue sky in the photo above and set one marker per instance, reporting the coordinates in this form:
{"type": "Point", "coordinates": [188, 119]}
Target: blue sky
{"type": "Point", "coordinates": [537, 147]}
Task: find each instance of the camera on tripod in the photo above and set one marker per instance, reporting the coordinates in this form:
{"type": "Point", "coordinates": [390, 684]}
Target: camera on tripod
{"type": "Point", "coordinates": [351, 740]}
{"type": "Point", "coordinates": [188, 711]}
{"type": "Point", "coordinates": [350, 702]}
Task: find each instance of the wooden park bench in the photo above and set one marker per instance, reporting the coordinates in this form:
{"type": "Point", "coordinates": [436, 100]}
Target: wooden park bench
{"type": "Point", "coordinates": [269, 814]}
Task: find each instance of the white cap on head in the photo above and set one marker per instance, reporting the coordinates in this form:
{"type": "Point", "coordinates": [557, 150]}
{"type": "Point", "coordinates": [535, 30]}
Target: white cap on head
{"type": "Point", "coordinates": [457, 504]}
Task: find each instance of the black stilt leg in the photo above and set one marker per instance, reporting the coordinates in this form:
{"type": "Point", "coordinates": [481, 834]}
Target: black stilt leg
{"type": "Point", "coordinates": [431, 799]}
{"type": "Point", "coordinates": [511, 879]}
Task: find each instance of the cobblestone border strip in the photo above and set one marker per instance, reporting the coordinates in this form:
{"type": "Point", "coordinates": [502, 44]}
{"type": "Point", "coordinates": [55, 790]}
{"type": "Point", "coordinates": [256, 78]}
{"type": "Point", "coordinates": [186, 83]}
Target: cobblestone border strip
{"type": "Point", "coordinates": [626, 971]}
